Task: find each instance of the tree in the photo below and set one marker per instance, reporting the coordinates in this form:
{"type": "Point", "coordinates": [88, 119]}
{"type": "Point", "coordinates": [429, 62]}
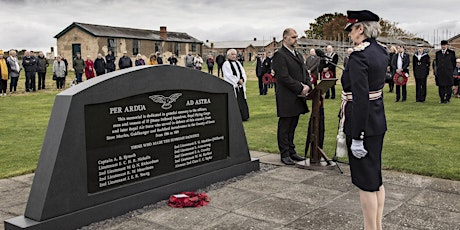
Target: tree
{"type": "Point", "coordinates": [330, 26]}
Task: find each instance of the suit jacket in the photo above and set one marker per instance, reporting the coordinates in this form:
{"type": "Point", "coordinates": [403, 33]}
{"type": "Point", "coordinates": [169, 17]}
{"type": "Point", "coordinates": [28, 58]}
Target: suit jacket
{"type": "Point", "coordinates": [290, 73]}
{"type": "Point", "coordinates": [405, 63]}
{"type": "Point", "coordinates": [312, 64]}
{"type": "Point", "coordinates": [329, 63]}
{"type": "Point", "coordinates": [263, 67]}
{"type": "Point", "coordinates": [445, 64]}
{"type": "Point", "coordinates": [365, 72]}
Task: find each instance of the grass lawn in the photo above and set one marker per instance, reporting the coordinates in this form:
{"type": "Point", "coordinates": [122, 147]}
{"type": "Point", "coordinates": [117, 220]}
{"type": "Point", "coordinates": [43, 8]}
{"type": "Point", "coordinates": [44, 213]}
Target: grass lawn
{"type": "Point", "coordinates": [421, 137]}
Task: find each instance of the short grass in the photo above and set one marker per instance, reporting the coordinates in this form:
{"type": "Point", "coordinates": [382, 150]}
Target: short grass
{"type": "Point", "coordinates": [421, 137]}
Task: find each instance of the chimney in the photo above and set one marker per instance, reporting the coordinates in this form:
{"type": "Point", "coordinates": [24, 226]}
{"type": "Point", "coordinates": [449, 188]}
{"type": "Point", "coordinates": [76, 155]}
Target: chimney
{"type": "Point", "coordinates": [212, 45]}
{"type": "Point", "coordinates": [255, 39]}
{"type": "Point", "coordinates": [207, 41]}
{"type": "Point", "coordinates": [274, 39]}
{"type": "Point", "coordinates": [163, 33]}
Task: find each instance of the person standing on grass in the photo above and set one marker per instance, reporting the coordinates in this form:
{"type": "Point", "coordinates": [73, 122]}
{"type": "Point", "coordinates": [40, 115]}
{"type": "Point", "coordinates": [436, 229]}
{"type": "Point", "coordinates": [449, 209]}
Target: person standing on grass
{"type": "Point", "coordinates": [362, 114]}
{"type": "Point", "coordinates": [400, 65]}
{"type": "Point", "coordinates": [172, 60]}
{"type": "Point", "coordinates": [13, 70]}
{"type": "Point", "coordinates": [235, 75]}
{"type": "Point", "coordinates": [59, 69]}
{"type": "Point", "coordinates": [445, 64]}
{"type": "Point", "coordinates": [312, 64]}
{"type": "Point", "coordinates": [220, 59]}
{"type": "Point", "coordinates": [159, 58]}
{"type": "Point", "coordinates": [99, 65]}
{"type": "Point", "coordinates": [457, 78]}
{"type": "Point", "coordinates": [421, 67]}
{"type": "Point", "coordinates": [291, 82]}
{"type": "Point", "coordinates": [79, 67]}
{"type": "Point", "coordinates": [89, 68]}
{"type": "Point", "coordinates": [110, 60]}
{"type": "Point", "coordinates": [139, 61]}
{"type": "Point", "coordinates": [210, 63]}
{"type": "Point", "coordinates": [42, 65]}
{"type": "Point", "coordinates": [3, 74]}
{"type": "Point", "coordinates": [198, 61]}
{"type": "Point", "coordinates": [125, 61]}
{"type": "Point", "coordinates": [29, 63]}
{"type": "Point", "coordinates": [263, 66]}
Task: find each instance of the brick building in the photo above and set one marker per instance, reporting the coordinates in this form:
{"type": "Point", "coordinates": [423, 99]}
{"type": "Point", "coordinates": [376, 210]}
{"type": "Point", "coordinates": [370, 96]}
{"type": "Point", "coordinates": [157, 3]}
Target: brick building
{"type": "Point", "coordinates": [89, 39]}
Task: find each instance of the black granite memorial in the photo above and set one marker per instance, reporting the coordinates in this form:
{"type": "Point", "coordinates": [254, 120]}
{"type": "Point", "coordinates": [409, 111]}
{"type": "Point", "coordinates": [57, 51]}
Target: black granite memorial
{"type": "Point", "coordinates": [131, 138]}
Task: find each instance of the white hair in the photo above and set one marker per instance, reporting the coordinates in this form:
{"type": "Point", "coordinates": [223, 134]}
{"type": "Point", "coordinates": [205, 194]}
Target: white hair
{"type": "Point", "coordinates": [230, 51]}
{"type": "Point", "coordinates": [372, 29]}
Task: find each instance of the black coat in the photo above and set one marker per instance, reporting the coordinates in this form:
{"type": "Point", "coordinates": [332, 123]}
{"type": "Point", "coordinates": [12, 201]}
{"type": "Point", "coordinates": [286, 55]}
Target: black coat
{"type": "Point", "coordinates": [329, 63]}
{"type": "Point", "coordinates": [445, 64]}
{"type": "Point", "coordinates": [312, 64]}
{"type": "Point", "coordinates": [405, 63]}
{"type": "Point", "coordinates": [365, 72]}
{"type": "Point", "coordinates": [290, 73]}
{"type": "Point", "coordinates": [421, 67]}
{"type": "Point", "coordinates": [263, 67]}
{"type": "Point", "coordinates": [99, 66]}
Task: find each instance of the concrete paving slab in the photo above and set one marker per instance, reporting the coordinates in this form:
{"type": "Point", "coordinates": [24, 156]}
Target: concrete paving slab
{"type": "Point", "coordinates": [257, 154]}
{"type": "Point", "coordinates": [16, 196]}
{"type": "Point", "coordinates": [26, 179]}
{"type": "Point", "coordinates": [9, 184]}
{"type": "Point", "coordinates": [131, 224]}
{"type": "Point", "coordinates": [232, 221]}
{"type": "Point", "coordinates": [276, 210]}
{"type": "Point", "coordinates": [438, 200]}
{"type": "Point", "coordinates": [273, 159]}
{"type": "Point", "coordinates": [261, 184]}
{"type": "Point", "coordinates": [183, 218]}
{"type": "Point", "coordinates": [4, 216]}
{"type": "Point", "coordinates": [406, 179]}
{"type": "Point", "coordinates": [442, 185]}
{"type": "Point", "coordinates": [333, 181]}
{"type": "Point", "coordinates": [229, 198]}
{"type": "Point", "coordinates": [399, 192]}
{"type": "Point", "coordinates": [308, 194]}
{"type": "Point", "coordinates": [322, 219]}
{"type": "Point", "coordinates": [292, 174]}
{"type": "Point", "coordinates": [420, 217]}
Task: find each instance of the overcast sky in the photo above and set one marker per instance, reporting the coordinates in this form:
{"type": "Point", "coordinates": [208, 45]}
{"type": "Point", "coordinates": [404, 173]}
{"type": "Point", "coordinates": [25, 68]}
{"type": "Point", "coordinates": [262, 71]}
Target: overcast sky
{"type": "Point", "coordinates": [32, 24]}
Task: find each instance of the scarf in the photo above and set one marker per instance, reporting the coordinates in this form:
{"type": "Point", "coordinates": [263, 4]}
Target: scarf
{"type": "Point", "coordinates": [3, 69]}
{"type": "Point", "coordinates": [234, 70]}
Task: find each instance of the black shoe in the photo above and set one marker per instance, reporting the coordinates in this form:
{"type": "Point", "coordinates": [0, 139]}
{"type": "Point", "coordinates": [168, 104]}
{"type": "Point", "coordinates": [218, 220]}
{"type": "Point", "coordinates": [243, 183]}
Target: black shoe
{"type": "Point", "coordinates": [287, 161]}
{"type": "Point", "coordinates": [396, 100]}
{"type": "Point", "coordinates": [297, 157]}
{"type": "Point", "coordinates": [403, 100]}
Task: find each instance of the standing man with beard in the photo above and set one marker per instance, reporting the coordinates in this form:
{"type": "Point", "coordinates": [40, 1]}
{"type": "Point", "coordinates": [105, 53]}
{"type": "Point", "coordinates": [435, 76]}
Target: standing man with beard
{"type": "Point", "coordinates": [292, 82]}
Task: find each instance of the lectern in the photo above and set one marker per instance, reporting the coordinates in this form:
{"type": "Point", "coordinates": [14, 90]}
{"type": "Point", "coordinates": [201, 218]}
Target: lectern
{"type": "Point", "coordinates": [316, 152]}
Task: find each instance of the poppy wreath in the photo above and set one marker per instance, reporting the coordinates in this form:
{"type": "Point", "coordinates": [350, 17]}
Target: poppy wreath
{"type": "Point", "coordinates": [268, 79]}
{"type": "Point", "coordinates": [313, 78]}
{"type": "Point", "coordinates": [327, 75]}
{"type": "Point", "coordinates": [188, 199]}
{"type": "Point", "coordinates": [457, 76]}
{"type": "Point", "coordinates": [400, 78]}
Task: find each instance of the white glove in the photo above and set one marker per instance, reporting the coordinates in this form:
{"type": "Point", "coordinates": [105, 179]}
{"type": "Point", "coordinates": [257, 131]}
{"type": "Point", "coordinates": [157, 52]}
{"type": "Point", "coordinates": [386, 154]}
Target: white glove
{"type": "Point", "coordinates": [357, 148]}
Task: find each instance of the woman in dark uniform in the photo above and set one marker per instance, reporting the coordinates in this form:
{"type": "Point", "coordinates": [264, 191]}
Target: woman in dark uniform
{"type": "Point", "coordinates": [363, 114]}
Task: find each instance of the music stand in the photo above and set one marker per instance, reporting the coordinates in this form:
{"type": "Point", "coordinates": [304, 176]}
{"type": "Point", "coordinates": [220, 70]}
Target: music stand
{"type": "Point", "coordinates": [316, 152]}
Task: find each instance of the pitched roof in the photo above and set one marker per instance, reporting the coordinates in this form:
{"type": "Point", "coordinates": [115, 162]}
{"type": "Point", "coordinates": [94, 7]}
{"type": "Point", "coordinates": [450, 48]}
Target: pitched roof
{"type": "Point", "coordinates": [122, 32]}
{"type": "Point", "coordinates": [238, 44]}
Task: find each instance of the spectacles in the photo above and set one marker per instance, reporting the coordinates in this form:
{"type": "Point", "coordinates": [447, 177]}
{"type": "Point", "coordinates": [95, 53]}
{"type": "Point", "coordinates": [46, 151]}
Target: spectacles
{"type": "Point", "coordinates": [294, 37]}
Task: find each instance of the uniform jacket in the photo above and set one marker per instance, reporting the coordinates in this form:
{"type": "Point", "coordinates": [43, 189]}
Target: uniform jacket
{"type": "Point", "coordinates": [42, 64]}
{"type": "Point", "coordinates": [312, 64]}
{"type": "Point", "coordinates": [445, 64]}
{"type": "Point", "coordinates": [421, 67]}
{"type": "Point", "coordinates": [263, 67]}
{"type": "Point", "coordinates": [365, 72]}
{"type": "Point", "coordinates": [78, 65]}
{"type": "Point", "coordinates": [110, 59]}
{"type": "Point", "coordinates": [29, 64]}
{"type": "Point", "coordinates": [405, 63]}
{"type": "Point", "coordinates": [290, 73]}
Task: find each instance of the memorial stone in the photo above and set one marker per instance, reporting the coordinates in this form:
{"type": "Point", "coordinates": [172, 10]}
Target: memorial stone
{"type": "Point", "coordinates": [131, 138]}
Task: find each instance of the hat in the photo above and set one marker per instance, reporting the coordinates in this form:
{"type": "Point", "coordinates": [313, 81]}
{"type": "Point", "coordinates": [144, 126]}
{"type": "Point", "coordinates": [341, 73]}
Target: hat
{"type": "Point", "coordinates": [1, 52]}
{"type": "Point", "coordinates": [444, 42]}
{"type": "Point", "coordinates": [419, 45]}
{"type": "Point", "coordinates": [359, 16]}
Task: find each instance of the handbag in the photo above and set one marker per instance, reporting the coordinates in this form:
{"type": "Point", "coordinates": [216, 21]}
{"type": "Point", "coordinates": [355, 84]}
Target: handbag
{"type": "Point", "coordinates": [54, 76]}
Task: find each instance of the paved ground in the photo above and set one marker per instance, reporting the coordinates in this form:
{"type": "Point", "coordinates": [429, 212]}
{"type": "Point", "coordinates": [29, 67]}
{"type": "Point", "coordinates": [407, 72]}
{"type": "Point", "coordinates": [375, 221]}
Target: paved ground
{"type": "Point", "coordinates": [281, 197]}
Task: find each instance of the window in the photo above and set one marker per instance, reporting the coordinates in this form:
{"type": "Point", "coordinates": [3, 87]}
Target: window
{"type": "Point", "coordinates": [177, 48]}
{"type": "Point", "coordinates": [193, 47]}
{"type": "Point", "coordinates": [112, 45]}
{"type": "Point", "coordinates": [136, 45]}
{"type": "Point", "coordinates": [158, 47]}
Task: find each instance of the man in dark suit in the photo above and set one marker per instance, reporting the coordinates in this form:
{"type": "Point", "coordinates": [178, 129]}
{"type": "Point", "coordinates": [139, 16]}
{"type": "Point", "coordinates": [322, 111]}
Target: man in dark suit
{"type": "Point", "coordinates": [327, 64]}
{"type": "Point", "coordinates": [292, 82]}
{"type": "Point", "coordinates": [220, 59]}
{"type": "Point", "coordinates": [400, 64]}
{"type": "Point", "coordinates": [263, 66]}
{"type": "Point", "coordinates": [445, 64]}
